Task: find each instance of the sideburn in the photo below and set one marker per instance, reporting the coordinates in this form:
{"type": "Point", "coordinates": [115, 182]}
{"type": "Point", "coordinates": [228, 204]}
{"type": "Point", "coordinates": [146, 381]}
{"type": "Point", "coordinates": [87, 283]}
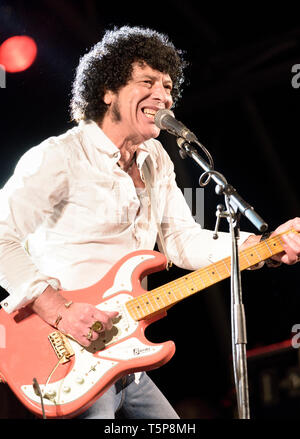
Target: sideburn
{"type": "Point", "coordinates": [115, 112]}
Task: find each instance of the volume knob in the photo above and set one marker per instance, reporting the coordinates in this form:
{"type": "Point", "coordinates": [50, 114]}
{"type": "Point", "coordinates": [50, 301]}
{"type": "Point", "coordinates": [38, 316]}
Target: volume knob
{"type": "Point", "coordinates": [79, 380]}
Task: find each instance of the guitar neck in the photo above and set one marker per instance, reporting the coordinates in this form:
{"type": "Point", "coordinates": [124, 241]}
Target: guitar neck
{"type": "Point", "coordinates": [163, 297]}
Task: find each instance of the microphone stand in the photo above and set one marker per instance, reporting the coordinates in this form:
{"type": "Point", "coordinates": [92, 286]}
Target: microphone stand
{"type": "Point", "coordinates": [236, 207]}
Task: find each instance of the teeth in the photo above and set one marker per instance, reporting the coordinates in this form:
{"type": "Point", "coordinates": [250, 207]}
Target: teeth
{"type": "Point", "coordinates": [149, 112]}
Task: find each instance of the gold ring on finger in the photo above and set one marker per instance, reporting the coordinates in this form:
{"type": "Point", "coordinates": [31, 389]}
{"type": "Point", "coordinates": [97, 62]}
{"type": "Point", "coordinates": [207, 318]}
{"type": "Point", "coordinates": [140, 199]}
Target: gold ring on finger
{"type": "Point", "coordinates": [97, 326]}
{"type": "Point", "coordinates": [90, 334]}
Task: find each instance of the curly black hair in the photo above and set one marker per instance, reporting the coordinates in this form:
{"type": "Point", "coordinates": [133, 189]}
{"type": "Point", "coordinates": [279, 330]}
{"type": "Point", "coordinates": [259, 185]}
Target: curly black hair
{"type": "Point", "coordinates": [108, 66]}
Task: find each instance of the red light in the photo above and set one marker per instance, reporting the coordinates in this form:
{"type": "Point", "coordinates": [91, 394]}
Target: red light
{"type": "Point", "coordinates": [17, 53]}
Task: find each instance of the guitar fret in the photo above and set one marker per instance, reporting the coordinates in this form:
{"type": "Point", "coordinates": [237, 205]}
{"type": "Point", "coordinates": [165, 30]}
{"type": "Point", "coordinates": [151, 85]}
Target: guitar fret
{"type": "Point", "coordinates": [207, 271]}
{"type": "Point", "coordinates": [136, 314]}
{"type": "Point", "coordinates": [173, 292]}
{"type": "Point", "coordinates": [187, 285]}
{"type": "Point", "coordinates": [219, 270]}
{"type": "Point", "coordinates": [180, 292]}
{"type": "Point", "coordinates": [148, 302]}
{"type": "Point", "coordinates": [152, 302]}
{"type": "Point", "coordinates": [260, 259]}
{"type": "Point", "coordinates": [248, 255]}
{"type": "Point", "coordinates": [168, 297]}
{"type": "Point", "coordinates": [198, 275]}
{"type": "Point", "coordinates": [179, 287]}
{"type": "Point", "coordinates": [274, 243]}
{"type": "Point", "coordinates": [188, 291]}
{"type": "Point", "coordinates": [161, 298]}
{"type": "Point", "coordinates": [139, 307]}
{"type": "Point", "coordinates": [193, 289]}
{"type": "Point", "coordinates": [244, 254]}
{"type": "Point", "coordinates": [221, 277]}
{"type": "Point", "coordinates": [145, 303]}
{"type": "Point", "coordinates": [174, 295]}
{"type": "Point", "coordinates": [226, 266]}
{"type": "Point", "coordinates": [267, 245]}
{"type": "Point", "coordinates": [168, 293]}
{"type": "Point", "coordinates": [192, 277]}
{"type": "Point", "coordinates": [157, 296]}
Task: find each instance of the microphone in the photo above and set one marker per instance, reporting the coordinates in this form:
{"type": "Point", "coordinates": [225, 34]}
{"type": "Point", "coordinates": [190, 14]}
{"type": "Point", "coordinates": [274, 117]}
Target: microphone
{"type": "Point", "coordinates": [165, 120]}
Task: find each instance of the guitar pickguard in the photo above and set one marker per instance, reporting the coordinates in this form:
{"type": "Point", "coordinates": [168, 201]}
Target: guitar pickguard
{"type": "Point", "coordinates": [92, 363]}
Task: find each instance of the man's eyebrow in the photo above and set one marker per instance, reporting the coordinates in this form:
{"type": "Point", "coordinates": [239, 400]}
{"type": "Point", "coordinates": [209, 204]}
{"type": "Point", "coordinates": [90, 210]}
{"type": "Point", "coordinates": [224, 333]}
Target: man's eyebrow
{"type": "Point", "coordinates": [154, 77]}
{"type": "Point", "coordinates": [147, 75]}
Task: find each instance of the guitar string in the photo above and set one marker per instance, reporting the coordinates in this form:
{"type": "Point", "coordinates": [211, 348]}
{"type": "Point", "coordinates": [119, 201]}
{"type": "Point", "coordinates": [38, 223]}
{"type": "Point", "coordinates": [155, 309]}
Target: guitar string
{"type": "Point", "coordinates": [160, 291]}
{"type": "Point", "coordinates": [218, 266]}
{"type": "Point", "coordinates": [174, 289]}
{"type": "Point", "coordinates": [205, 276]}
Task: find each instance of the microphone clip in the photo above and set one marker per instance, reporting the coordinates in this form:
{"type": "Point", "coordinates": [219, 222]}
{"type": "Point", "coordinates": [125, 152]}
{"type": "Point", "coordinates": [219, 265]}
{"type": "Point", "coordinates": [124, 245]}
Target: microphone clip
{"type": "Point", "coordinates": [182, 150]}
{"type": "Point", "coordinates": [222, 213]}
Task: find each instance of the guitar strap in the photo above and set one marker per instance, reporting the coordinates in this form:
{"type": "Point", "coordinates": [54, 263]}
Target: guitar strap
{"type": "Point", "coordinates": [146, 177]}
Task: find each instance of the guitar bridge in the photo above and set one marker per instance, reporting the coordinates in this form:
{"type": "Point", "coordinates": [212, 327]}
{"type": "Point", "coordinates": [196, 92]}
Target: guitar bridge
{"type": "Point", "coordinates": [61, 346]}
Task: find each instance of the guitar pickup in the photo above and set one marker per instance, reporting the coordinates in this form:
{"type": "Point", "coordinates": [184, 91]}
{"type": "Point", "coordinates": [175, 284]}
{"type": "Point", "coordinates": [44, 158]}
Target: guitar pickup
{"type": "Point", "coordinates": [61, 346]}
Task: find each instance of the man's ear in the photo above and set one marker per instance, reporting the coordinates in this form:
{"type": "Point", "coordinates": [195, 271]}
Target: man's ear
{"type": "Point", "coordinates": [108, 97]}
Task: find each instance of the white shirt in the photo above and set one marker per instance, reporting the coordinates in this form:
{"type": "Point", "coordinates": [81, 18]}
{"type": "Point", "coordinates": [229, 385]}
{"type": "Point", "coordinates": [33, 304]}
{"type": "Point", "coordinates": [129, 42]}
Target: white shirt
{"type": "Point", "coordinates": [68, 213]}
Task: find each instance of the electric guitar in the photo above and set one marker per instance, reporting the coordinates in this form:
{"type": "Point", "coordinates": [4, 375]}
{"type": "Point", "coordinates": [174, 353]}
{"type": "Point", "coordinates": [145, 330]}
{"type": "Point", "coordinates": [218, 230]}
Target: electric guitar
{"type": "Point", "coordinates": [54, 376]}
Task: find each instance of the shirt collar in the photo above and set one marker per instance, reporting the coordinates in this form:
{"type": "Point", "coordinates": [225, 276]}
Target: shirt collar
{"type": "Point", "coordinates": [98, 139]}
{"type": "Point", "coordinates": [102, 143]}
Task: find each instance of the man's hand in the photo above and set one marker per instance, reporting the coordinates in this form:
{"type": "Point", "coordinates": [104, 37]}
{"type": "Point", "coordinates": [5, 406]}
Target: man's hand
{"type": "Point", "coordinates": [290, 242]}
{"type": "Point", "coordinates": [75, 320]}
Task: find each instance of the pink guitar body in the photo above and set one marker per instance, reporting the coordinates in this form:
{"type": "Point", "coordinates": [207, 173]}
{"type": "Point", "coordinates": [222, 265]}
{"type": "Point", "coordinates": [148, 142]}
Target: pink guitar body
{"type": "Point", "coordinates": [73, 385]}
{"type": "Point", "coordinates": [76, 384]}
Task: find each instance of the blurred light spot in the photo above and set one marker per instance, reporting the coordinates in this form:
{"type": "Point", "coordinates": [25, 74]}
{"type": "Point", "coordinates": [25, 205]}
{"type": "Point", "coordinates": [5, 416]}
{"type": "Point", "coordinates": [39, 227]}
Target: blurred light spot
{"type": "Point", "coordinates": [18, 53]}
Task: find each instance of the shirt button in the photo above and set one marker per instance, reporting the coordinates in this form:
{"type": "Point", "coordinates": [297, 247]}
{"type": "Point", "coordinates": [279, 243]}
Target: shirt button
{"type": "Point", "coordinates": [116, 154]}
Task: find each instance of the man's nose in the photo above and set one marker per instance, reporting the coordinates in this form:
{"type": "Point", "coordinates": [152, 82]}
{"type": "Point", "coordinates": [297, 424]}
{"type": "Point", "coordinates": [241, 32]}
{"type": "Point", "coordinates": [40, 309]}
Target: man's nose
{"type": "Point", "coordinates": [162, 94]}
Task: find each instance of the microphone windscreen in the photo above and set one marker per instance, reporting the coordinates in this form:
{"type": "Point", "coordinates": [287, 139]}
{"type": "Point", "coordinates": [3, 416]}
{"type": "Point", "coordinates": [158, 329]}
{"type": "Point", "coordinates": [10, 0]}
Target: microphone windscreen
{"type": "Point", "coordinates": [160, 115]}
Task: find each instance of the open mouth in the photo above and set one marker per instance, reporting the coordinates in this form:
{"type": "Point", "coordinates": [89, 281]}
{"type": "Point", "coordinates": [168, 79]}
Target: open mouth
{"type": "Point", "coordinates": [149, 113]}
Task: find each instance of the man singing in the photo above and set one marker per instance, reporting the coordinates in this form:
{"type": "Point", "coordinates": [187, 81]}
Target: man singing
{"type": "Point", "coordinates": [77, 203]}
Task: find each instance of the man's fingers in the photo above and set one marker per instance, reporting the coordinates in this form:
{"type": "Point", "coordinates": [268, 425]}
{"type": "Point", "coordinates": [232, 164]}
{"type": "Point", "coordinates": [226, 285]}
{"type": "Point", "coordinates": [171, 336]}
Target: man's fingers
{"type": "Point", "coordinates": [292, 247]}
{"type": "Point", "coordinates": [84, 322]}
{"type": "Point", "coordinates": [106, 318]}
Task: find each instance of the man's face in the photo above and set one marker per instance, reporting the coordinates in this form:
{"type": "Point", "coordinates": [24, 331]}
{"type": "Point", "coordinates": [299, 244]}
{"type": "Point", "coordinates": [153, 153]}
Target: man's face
{"type": "Point", "coordinates": [133, 107]}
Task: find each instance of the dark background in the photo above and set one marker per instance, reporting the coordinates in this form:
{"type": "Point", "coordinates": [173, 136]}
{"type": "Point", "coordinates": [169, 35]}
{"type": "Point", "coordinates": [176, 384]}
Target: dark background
{"type": "Point", "coordinates": [240, 102]}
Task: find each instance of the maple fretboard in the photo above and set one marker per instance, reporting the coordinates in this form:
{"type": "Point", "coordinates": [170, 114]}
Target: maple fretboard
{"type": "Point", "coordinates": [163, 297]}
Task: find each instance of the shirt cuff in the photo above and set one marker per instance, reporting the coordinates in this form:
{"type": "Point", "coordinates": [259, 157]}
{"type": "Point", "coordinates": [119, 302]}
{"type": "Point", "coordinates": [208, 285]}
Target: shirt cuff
{"type": "Point", "coordinates": [14, 302]}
